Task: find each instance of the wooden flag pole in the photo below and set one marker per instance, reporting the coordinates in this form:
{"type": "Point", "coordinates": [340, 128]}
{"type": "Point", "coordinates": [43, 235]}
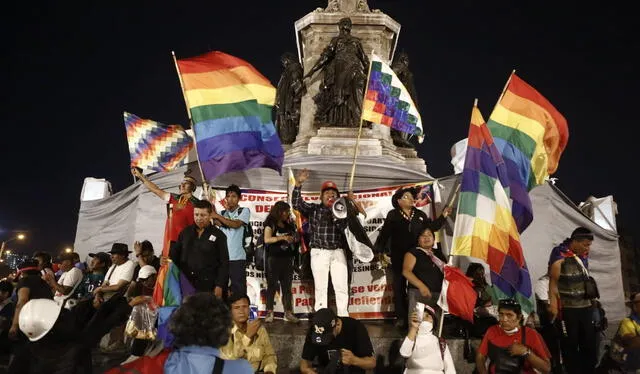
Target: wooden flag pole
{"type": "Point", "coordinates": [205, 183]}
{"type": "Point", "coordinates": [355, 151]}
{"type": "Point", "coordinates": [475, 103]}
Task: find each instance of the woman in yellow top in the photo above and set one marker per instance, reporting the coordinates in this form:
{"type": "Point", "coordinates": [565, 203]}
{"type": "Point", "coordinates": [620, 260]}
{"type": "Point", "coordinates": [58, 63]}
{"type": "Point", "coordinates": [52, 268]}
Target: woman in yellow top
{"type": "Point", "coordinates": [625, 348]}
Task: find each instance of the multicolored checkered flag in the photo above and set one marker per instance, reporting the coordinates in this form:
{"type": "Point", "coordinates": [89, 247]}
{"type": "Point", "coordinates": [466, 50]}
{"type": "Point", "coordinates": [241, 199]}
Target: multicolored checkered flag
{"type": "Point", "coordinates": [388, 102]}
{"type": "Point", "coordinates": [156, 146]}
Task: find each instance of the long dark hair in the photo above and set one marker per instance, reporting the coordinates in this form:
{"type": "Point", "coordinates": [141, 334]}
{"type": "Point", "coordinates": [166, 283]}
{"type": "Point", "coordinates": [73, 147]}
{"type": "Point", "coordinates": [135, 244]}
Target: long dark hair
{"type": "Point", "coordinates": [276, 213]}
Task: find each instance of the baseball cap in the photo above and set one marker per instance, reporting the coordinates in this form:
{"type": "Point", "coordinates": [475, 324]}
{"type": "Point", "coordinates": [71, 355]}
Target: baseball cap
{"type": "Point", "coordinates": [102, 256]}
{"type": "Point", "coordinates": [323, 322]}
{"type": "Point", "coordinates": [329, 185]}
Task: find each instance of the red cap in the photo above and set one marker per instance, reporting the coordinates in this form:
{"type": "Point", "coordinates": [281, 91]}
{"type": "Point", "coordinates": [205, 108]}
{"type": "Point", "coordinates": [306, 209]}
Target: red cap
{"type": "Point", "coordinates": [329, 185]}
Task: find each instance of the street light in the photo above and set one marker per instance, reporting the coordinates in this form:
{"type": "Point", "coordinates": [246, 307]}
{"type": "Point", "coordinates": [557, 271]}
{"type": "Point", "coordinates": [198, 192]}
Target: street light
{"type": "Point", "coordinates": [8, 252]}
{"type": "Point", "coordinates": [4, 243]}
{"type": "Point", "coordinates": [68, 250]}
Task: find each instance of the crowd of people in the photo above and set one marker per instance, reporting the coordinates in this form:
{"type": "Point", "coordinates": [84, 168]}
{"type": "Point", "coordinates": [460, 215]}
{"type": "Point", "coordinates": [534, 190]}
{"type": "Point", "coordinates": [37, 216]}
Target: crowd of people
{"type": "Point", "coordinates": [69, 308]}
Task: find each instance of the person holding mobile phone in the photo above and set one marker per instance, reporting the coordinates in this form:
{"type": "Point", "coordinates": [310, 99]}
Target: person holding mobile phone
{"type": "Point", "coordinates": [425, 352]}
{"type": "Point", "coordinates": [341, 345]}
{"type": "Point", "coordinates": [249, 339]}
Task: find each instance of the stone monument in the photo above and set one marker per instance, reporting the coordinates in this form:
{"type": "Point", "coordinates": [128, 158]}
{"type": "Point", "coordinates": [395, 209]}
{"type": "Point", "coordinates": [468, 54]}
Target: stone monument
{"type": "Point", "coordinates": [331, 146]}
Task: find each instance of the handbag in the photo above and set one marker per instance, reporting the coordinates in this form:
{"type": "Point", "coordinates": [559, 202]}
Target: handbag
{"type": "Point", "coordinates": [590, 286]}
{"type": "Point", "coordinates": [503, 362]}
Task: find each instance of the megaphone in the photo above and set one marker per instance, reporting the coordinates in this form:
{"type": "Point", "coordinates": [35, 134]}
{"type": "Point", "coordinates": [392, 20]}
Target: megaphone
{"type": "Point", "coordinates": [339, 208]}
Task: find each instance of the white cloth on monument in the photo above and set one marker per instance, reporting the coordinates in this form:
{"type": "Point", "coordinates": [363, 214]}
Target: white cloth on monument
{"type": "Point", "coordinates": [334, 262]}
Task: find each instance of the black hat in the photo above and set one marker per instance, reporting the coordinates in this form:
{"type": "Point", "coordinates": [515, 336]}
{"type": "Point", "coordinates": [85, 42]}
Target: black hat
{"type": "Point", "coordinates": [398, 195]}
{"type": "Point", "coordinates": [102, 256]}
{"type": "Point", "coordinates": [120, 249]}
{"type": "Point", "coordinates": [322, 324]}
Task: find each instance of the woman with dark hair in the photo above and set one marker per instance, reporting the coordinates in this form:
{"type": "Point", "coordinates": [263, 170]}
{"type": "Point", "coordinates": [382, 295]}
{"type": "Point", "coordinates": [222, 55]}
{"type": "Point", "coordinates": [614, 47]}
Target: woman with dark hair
{"type": "Point", "coordinates": [424, 269]}
{"type": "Point", "coordinates": [279, 241]}
{"type": "Point", "coordinates": [424, 351]}
{"type": "Point", "coordinates": [201, 325]}
{"type": "Point", "coordinates": [511, 347]}
{"type": "Point", "coordinates": [400, 233]}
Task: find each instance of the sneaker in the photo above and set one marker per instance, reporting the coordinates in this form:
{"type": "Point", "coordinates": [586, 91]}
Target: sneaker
{"type": "Point", "coordinates": [269, 317]}
{"type": "Point", "coordinates": [290, 317]}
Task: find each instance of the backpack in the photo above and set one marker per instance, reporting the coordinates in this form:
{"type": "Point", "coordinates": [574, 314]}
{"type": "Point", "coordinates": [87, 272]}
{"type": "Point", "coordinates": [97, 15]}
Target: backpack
{"type": "Point", "coordinates": [248, 242]}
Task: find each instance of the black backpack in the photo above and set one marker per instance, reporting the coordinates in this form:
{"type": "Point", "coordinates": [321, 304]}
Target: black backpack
{"type": "Point", "coordinates": [248, 242]}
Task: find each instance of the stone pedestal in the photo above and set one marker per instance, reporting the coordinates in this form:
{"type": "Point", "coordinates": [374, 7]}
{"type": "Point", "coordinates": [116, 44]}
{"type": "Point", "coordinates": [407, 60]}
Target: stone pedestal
{"type": "Point", "coordinates": [378, 33]}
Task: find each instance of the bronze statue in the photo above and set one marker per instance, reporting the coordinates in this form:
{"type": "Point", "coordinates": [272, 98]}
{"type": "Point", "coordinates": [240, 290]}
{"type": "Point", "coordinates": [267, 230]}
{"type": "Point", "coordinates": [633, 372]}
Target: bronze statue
{"type": "Point", "coordinates": [290, 90]}
{"type": "Point", "coordinates": [345, 65]}
{"type": "Point", "coordinates": [400, 66]}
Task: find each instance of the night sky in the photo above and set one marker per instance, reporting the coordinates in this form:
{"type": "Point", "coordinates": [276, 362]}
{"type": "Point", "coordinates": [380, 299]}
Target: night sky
{"type": "Point", "coordinates": [69, 71]}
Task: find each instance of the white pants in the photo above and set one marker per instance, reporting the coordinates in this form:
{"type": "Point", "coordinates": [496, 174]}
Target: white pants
{"type": "Point", "coordinates": [323, 262]}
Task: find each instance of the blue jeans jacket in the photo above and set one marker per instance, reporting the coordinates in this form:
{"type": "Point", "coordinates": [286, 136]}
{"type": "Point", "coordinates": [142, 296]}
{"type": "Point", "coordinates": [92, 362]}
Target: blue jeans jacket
{"type": "Point", "coordinates": [200, 360]}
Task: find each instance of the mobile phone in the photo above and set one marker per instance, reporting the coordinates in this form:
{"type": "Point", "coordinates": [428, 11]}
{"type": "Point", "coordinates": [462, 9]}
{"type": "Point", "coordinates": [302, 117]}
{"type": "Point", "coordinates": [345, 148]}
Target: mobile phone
{"type": "Point", "coordinates": [420, 311]}
{"type": "Point", "coordinates": [334, 355]}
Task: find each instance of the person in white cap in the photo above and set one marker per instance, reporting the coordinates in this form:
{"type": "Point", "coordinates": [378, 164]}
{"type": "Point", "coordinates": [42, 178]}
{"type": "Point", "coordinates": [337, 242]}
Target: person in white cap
{"type": "Point", "coordinates": [424, 351]}
{"type": "Point", "coordinates": [139, 294]}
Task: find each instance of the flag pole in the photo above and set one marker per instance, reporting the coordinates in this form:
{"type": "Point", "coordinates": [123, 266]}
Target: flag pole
{"type": "Point", "coordinates": [205, 183]}
{"type": "Point", "coordinates": [355, 151]}
{"type": "Point", "coordinates": [475, 103]}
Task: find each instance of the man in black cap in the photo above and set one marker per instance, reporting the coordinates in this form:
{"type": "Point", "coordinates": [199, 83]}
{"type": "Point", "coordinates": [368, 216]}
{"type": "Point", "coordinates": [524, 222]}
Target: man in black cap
{"type": "Point", "coordinates": [119, 274]}
{"type": "Point", "coordinates": [341, 345]}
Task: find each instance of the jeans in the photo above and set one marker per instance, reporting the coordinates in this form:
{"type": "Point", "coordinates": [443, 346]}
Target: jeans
{"type": "Point", "coordinates": [399, 292]}
{"type": "Point", "coordinates": [279, 275]}
{"type": "Point", "coordinates": [579, 343]}
{"type": "Point", "coordinates": [238, 277]}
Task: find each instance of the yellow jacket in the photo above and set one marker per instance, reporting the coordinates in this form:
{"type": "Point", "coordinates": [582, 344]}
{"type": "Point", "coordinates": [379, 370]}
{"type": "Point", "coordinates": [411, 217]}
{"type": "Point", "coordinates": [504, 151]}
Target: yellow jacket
{"type": "Point", "coordinates": [258, 350]}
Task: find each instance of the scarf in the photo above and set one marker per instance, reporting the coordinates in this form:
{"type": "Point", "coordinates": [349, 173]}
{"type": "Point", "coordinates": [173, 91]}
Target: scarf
{"type": "Point", "coordinates": [562, 251]}
{"type": "Point", "coordinates": [438, 262]}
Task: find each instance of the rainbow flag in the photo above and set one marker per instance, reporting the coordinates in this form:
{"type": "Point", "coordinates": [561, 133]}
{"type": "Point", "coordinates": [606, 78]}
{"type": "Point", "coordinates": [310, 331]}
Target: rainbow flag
{"type": "Point", "coordinates": [171, 287]}
{"type": "Point", "coordinates": [230, 104]}
{"type": "Point", "coordinates": [388, 102]}
{"type": "Point", "coordinates": [484, 226]}
{"type": "Point", "coordinates": [531, 136]}
{"type": "Point", "coordinates": [156, 146]}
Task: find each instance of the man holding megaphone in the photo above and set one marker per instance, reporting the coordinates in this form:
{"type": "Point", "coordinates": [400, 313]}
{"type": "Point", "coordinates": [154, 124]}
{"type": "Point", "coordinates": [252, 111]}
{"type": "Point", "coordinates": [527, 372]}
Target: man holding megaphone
{"type": "Point", "coordinates": [327, 243]}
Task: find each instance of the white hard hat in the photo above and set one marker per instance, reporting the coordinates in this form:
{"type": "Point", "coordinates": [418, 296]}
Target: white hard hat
{"type": "Point", "coordinates": [37, 318]}
{"type": "Point", "coordinates": [146, 271]}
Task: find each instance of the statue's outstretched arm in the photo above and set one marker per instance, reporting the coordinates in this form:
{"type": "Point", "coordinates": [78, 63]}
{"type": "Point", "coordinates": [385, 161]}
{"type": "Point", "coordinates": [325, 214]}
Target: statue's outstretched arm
{"type": "Point", "coordinates": [327, 55]}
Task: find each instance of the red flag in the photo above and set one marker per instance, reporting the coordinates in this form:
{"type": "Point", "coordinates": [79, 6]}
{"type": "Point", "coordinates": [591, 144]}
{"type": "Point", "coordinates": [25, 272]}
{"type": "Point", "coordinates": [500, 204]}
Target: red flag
{"type": "Point", "coordinates": [458, 296]}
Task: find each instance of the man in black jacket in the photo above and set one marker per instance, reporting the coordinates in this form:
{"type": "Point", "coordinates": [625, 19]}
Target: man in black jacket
{"type": "Point", "coordinates": [201, 252]}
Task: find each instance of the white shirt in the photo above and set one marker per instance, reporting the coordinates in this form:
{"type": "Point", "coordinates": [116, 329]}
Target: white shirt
{"type": "Point", "coordinates": [424, 355]}
{"type": "Point", "coordinates": [71, 278]}
{"type": "Point", "coordinates": [541, 288]}
{"type": "Point", "coordinates": [116, 273]}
